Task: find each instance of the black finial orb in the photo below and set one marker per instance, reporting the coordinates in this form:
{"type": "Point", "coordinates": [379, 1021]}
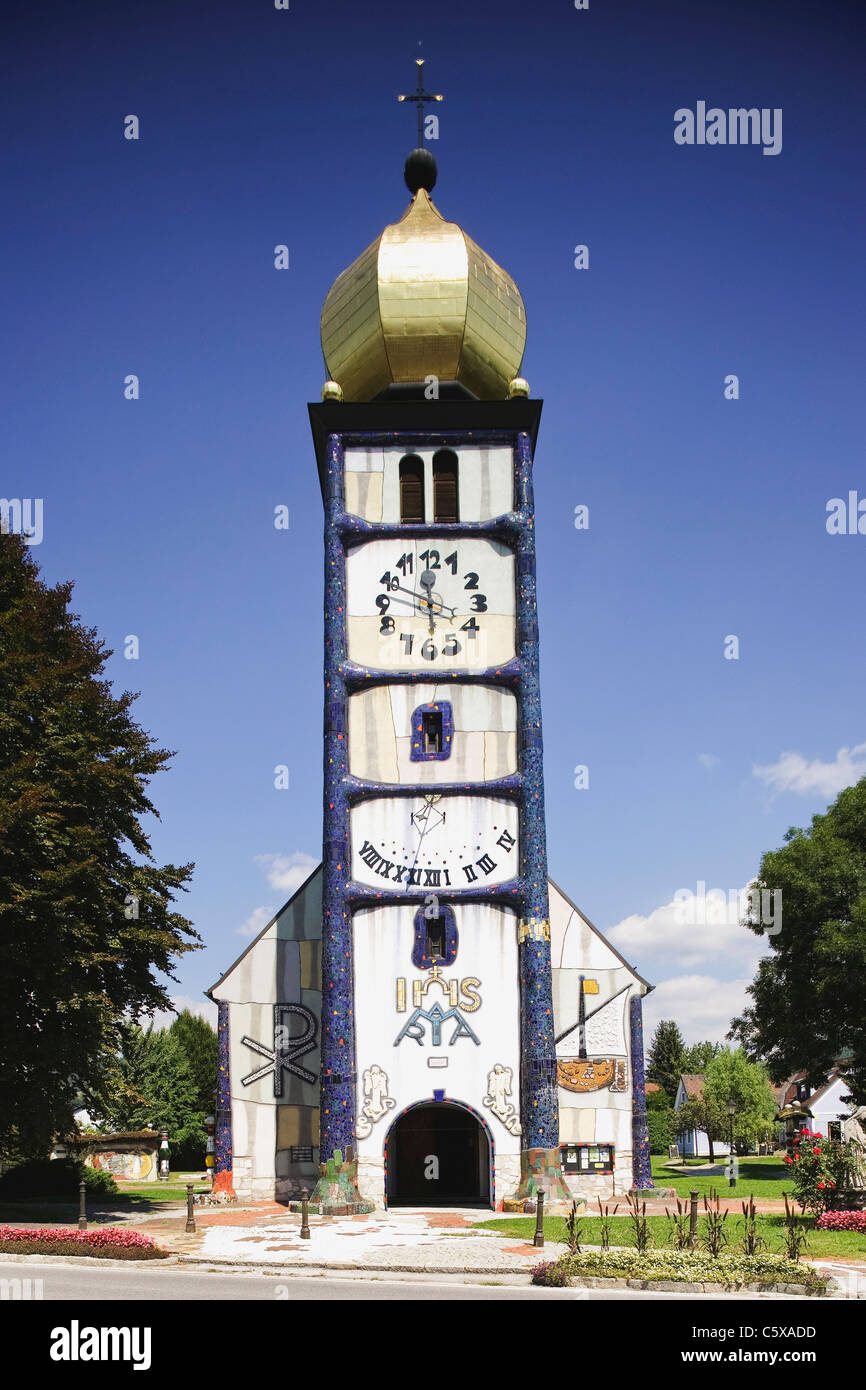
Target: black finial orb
{"type": "Point", "coordinates": [420, 171]}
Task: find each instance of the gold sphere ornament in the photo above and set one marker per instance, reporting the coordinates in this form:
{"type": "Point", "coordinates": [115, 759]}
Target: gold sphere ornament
{"type": "Point", "coordinates": [518, 386]}
{"type": "Point", "coordinates": [332, 391]}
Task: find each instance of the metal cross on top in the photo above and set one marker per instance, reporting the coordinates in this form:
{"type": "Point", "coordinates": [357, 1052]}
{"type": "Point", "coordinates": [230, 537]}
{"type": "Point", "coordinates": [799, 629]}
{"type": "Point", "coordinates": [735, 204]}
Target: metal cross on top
{"type": "Point", "coordinates": [420, 98]}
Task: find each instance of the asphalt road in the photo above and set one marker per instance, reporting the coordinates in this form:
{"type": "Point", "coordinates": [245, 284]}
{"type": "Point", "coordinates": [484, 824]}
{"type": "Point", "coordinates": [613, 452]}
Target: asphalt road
{"type": "Point", "coordinates": [65, 1282]}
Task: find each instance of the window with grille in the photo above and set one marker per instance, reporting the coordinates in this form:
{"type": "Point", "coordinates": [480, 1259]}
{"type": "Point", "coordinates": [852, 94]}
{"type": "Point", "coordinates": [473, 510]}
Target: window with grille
{"type": "Point", "coordinates": [411, 489]}
{"type": "Point", "coordinates": [445, 504]}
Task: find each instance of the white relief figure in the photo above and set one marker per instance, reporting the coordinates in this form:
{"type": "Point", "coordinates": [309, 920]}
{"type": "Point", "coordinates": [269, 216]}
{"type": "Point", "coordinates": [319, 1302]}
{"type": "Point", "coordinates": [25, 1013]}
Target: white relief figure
{"type": "Point", "coordinates": [498, 1091]}
{"type": "Point", "coordinates": [377, 1103]}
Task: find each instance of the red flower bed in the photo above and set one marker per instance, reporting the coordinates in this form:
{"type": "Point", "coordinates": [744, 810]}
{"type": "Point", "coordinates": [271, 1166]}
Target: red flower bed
{"type": "Point", "coordinates": [106, 1242]}
{"type": "Point", "coordinates": [842, 1221]}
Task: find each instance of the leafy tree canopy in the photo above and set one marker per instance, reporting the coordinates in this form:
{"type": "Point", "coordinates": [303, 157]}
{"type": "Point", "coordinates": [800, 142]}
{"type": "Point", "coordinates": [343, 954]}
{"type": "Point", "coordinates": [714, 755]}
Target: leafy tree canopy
{"type": "Point", "coordinates": [731, 1076]}
{"type": "Point", "coordinates": [807, 1006]}
{"type": "Point", "coordinates": [198, 1042]}
{"type": "Point", "coordinates": [85, 914]}
{"type": "Point", "coordinates": [698, 1057]}
{"type": "Point", "coordinates": [153, 1085]}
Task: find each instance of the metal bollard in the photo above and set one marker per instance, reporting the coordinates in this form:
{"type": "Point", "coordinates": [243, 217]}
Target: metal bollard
{"type": "Point", "coordinates": [693, 1218]}
{"type": "Point", "coordinates": [305, 1216]}
{"type": "Point", "coordinates": [539, 1220]}
{"type": "Point", "coordinates": [82, 1208]}
{"type": "Point", "coordinates": [190, 1213]}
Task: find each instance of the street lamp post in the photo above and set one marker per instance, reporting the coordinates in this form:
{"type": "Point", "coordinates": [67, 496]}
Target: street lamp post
{"type": "Point", "coordinates": [732, 1110]}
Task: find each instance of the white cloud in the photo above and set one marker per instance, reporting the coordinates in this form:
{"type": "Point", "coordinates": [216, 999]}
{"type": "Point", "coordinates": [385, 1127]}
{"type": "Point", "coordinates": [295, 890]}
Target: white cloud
{"type": "Point", "coordinates": [257, 921]}
{"type": "Point", "coordinates": [205, 1008]}
{"type": "Point", "coordinates": [287, 871]}
{"type": "Point", "coordinates": [794, 773]}
{"type": "Point", "coordinates": [708, 759]}
{"type": "Point", "coordinates": [702, 1006]}
{"type": "Point", "coordinates": [697, 925]}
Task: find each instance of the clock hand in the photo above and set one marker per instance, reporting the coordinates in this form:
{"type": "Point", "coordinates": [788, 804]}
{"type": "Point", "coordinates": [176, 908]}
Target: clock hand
{"type": "Point", "coordinates": [439, 607]}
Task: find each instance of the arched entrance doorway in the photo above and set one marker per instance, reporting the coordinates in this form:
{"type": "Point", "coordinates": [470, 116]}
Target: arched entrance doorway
{"type": "Point", "coordinates": [438, 1154]}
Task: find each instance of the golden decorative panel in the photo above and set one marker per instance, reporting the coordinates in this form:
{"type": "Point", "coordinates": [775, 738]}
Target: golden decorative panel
{"type": "Point", "coordinates": [594, 1074]}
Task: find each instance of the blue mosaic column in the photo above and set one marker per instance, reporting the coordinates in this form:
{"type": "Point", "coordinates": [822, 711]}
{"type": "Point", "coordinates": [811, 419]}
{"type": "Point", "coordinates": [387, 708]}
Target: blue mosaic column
{"type": "Point", "coordinates": [337, 1092]}
{"type": "Point", "coordinates": [223, 1138]}
{"type": "Point", "coordinates": [640, 1150]}
{"type": "Point", "coordinates": [539, 1111]}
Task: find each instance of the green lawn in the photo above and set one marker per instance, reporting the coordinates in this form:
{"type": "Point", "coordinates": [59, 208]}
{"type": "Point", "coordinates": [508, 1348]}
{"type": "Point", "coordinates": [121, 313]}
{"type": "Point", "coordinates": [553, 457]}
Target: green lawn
{"type": "Point", "coordinates": [758, 1177]}
{"type": "Point", "coordinates": [822, 1244]}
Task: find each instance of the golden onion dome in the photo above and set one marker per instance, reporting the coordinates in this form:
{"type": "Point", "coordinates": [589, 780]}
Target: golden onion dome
{"type": "Point", "coordinates": [423, 300]}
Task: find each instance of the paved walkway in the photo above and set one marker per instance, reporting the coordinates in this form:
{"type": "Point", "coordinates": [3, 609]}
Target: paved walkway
{"type": "Point", "coordinates": [406, 1241]}
{"type": "Point", "coordinates": [265, 1235]}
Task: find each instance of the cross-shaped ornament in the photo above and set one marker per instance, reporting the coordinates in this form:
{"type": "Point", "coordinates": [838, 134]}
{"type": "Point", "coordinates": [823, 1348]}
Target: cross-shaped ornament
{"type": "Point", "coordinates": [420, 98]}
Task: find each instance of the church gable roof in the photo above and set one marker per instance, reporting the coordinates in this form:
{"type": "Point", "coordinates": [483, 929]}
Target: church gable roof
{"type": "Point", "coordinates": [576, 943]}
{"type": "Point", "coordinates": [300, 918]}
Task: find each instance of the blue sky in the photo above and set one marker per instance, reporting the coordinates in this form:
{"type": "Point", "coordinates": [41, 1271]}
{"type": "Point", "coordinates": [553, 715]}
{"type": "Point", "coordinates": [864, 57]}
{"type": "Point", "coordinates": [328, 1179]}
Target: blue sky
{"type": "Point", "coordinates": [707, 515]}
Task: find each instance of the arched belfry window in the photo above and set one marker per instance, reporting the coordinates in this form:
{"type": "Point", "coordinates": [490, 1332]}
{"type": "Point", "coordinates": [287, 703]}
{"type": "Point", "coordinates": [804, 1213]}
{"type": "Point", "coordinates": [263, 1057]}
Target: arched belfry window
{"type": "Point", "coordinates": [445, 501]}
{"type": "Point", "coordinates": [411, 489]}
{"type": "Point", "coordinates": [435, 938]}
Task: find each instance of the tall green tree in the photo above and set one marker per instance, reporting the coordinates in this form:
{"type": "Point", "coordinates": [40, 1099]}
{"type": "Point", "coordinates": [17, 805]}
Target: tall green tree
{"type": "Point", "coordinates": [730, 1076]}
{"type": "Point", "coordinates": [86, 919]}
{"type": "Point", "coordinates": [153, 1086]}
{"type": "Point", "coordinates": [699, 1113]}
{"type": "Point", "coordinates": [664, 1063]}
{"type": "Point", "coordinates": [698, 1057]}
{"type": "Point", "coordinates": [808, 996]}
{"type": "Point", "coordinates": [198, 1042]}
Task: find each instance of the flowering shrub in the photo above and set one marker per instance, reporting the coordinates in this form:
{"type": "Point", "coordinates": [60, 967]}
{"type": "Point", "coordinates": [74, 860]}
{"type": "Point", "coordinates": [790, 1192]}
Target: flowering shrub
{"type": "Point", "coordinates": [104, 1241]}
{"type": "Point", "coordinates": [551, 1275]}
{"type": "Point", "coordinates": [730, 1268]}
{"type": "Point", "coordinates": [820, 1166]}
{"type": "Point", "coordinates": [842, 1221]}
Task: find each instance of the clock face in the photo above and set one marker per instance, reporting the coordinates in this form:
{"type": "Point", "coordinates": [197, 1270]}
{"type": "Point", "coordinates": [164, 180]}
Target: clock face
{"type": "Point", "coordinates": [435, 603]}
{"type": "Point", "coordinates": [435, 842]}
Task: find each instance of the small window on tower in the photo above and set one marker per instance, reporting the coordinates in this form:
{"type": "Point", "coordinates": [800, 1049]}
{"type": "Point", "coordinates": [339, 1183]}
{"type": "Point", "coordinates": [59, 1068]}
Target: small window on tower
{"type": "Point", "coordinates": [445, 486]}
{"type": "Point", "coordinates": [435, 937]}
{"type": "Point", "coordinates": [411, 489]}
{"type": "Point", "coordinates": [432, 738]}
{"type": "Point", "coordinates": [432, 732]}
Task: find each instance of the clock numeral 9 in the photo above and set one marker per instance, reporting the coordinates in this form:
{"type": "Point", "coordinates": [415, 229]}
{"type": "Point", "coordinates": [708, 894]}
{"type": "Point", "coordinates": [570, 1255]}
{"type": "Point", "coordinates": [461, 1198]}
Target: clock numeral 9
{"type": "Point", "coordinates": [383, 603]}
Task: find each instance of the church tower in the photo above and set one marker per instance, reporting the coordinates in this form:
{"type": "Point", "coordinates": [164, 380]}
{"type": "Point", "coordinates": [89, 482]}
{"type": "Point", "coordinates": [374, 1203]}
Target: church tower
{"type": "Point", "coordinates": [429, 1020]}
{"type": "Point", "coordinates": [438, 1059]}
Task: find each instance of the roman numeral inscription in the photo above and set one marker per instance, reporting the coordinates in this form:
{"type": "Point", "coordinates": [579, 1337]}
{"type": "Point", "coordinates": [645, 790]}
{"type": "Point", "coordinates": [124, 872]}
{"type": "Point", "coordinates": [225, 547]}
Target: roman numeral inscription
{"type": "Point", "coordinates": [432, 878]}
{"type": "Point", "coordinates": [401, 872]}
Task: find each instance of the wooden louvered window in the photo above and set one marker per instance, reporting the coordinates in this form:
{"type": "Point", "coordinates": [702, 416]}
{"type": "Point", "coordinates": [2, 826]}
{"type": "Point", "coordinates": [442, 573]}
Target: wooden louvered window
{"type": "Point", "coordinates": [411, 489]}
{"type": "Point", "coordinates": [445, 506]}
